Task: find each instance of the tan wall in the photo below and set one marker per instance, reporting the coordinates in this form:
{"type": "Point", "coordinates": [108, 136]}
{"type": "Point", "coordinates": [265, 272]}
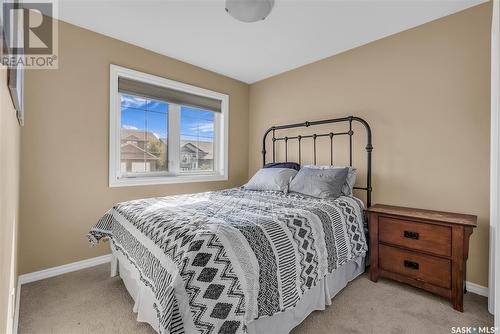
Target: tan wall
{"type": "Point", "coordinates": [426, 94]}
{"type": "Point", "coordinates": [67, 121]}
{"type": "Point", "coordinates": [9, 197]}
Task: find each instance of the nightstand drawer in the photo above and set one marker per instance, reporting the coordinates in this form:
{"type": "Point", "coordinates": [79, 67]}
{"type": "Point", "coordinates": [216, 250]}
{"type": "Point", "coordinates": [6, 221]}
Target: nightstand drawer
{"type": "Point", "coordinates": [430, 238]}
{"type": "Point", "coordinates": [426, 268]}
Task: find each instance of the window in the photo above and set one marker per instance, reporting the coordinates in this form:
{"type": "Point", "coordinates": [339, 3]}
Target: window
{"type": "Point", "coordinates": [162, 131]}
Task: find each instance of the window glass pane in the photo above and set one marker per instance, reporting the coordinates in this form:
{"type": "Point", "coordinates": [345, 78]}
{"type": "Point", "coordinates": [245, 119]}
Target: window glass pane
{"type": "Point", "coordinates": [143, 134]}
{"type": "Point", "coordinates": [197, 140]}
{"type": "Point", "coordinates": [157, 125]}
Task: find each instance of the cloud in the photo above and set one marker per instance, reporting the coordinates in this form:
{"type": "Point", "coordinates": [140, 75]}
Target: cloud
{"type": "Point", "coordinates": [205, 128]}
{"type": "Point", "coordinates": [129, 127]}
{"type": "Point", "coordinates": [133, 101]}
{"type": "Point", "coordinates": [152, 105]}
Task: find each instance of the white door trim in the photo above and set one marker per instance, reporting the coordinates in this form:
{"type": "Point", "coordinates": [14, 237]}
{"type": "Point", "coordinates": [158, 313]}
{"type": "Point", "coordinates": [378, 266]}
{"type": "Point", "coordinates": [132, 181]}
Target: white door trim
{"type": "Point", "coordinates": [494, 261]}
{"type": "Point", "coordinates": [16, 314]}
{"type": "Point", "coordinates": [11, 306]}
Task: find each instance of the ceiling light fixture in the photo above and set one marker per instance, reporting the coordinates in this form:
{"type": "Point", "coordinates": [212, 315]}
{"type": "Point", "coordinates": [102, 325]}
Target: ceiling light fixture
{"type": "Point", "coordinates": [249, 10]}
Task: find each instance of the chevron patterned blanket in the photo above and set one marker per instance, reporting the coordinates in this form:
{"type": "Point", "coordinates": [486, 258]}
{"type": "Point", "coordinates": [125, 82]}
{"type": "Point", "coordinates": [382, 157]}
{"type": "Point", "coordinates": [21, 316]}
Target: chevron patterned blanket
{"type": "Point", "coordinates": [216, 261]}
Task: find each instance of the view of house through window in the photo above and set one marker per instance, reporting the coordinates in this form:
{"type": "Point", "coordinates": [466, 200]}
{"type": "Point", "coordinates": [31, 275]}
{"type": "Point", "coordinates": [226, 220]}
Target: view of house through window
{"type": "Point", "coordinates": [144, 137]}
{"type": "Point", "coordinates": [197, 140]}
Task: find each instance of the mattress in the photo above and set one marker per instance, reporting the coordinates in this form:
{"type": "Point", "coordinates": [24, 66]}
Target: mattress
{"type": "Point", "coordinates": [218, 262]}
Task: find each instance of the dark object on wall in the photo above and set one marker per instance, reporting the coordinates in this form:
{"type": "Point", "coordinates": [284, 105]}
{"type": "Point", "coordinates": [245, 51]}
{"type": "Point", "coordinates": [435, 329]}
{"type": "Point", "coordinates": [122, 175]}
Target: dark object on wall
{"type": "Point", "coordinates": [291, 165]}
{"type": "Point", "coordinates": [349, 120]}
{"type": "Point", "coordinates": [15, 75]}
{"type": "Point", "coordinates": [15, 80]}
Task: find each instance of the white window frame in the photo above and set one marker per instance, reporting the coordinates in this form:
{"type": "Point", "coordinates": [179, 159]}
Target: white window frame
{"type": "Point", "coordinates": [174, 175]}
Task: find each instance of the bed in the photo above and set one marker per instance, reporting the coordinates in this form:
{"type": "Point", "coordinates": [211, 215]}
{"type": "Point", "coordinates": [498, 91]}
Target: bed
{"type": "Point", "coordinates": [238, 260]}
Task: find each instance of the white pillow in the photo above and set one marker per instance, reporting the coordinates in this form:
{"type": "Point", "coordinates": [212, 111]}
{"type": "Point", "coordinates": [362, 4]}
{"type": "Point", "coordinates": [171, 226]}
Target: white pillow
{"type": "Point", "coordinates": [276, 179]}
{"type": "Point", "coordinates": [349, 182]}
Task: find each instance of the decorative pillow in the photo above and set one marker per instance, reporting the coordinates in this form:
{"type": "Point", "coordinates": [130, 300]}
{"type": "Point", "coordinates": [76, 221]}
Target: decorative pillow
{"type": "Point", "coordinates": [321, 183]}
{"type": "Point", "coordinates": [291, 165]}
{"type": "Point", "coordinates": [276, 179]}
{"type": "Point", "coordinates": [351, 177]}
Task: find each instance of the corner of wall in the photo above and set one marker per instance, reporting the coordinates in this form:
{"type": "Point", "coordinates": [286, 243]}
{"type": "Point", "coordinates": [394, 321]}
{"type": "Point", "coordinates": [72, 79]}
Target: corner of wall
{"type": "Point", "coordinates": [9, 203]}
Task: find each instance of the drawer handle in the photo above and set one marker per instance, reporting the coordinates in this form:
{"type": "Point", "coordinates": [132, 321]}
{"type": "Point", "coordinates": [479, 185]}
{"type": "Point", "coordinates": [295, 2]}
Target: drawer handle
{"type": "Point", "coordinates": [411, 235]}
{"type": "Point", "coordinates": [411, 264]}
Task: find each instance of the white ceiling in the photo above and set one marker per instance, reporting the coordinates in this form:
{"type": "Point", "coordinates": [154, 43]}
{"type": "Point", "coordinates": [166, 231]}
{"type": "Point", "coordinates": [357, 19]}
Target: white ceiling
{"type": "Point", "coordinates": [295, 33]}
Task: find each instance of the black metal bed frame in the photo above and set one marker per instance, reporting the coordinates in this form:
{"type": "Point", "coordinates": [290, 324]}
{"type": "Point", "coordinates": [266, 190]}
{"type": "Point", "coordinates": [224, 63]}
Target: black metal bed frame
{"type": "Point", "coordinates": [314, 136]}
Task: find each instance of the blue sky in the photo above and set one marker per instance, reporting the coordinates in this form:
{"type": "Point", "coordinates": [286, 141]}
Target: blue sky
{"type": "Point", "coordinates": [143, 114]}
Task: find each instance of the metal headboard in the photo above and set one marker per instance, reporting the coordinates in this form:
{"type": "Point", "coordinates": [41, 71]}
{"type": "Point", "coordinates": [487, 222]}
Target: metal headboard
{"type": "Point", "coordinates": [331, 135]}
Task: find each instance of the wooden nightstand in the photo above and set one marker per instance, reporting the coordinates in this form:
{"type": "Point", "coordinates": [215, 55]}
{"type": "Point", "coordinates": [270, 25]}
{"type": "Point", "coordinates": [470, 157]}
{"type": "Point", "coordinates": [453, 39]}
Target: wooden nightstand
{"type": "Point", "coordinates": [427, 249]}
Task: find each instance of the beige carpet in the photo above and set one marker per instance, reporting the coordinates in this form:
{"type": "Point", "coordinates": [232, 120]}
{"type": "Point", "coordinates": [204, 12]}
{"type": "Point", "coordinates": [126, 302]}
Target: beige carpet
{"type": "Point", "coordinates": [89, 301]}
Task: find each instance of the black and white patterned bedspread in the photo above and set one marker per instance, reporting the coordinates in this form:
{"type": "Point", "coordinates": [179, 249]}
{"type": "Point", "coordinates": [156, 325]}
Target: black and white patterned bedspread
{"type": "Point", "coordinates": [216, 261]}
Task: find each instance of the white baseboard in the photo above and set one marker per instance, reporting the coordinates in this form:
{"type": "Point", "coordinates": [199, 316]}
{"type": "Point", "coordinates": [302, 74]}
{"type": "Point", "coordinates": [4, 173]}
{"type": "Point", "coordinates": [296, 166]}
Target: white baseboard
{"type": "Point", "coordinates": [477, 289]}
{"type": "Point", "coordinates": [67, 268]}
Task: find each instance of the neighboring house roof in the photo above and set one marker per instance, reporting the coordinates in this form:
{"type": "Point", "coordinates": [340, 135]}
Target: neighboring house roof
{"type": "Point", "coordinates": [204, 148]}
{"type": "Point", "coordinates": [133, 152]}
{"type": "Point", "coordinates": [191, 148]}
{"type": "Point", "coordinates": [137, 135]}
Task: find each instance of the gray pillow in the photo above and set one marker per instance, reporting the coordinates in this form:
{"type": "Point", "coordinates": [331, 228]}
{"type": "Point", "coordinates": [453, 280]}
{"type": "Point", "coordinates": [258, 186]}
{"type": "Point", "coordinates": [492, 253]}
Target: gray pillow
{"type": "Point", "coordinates": [321, 183]}
{"type": "Point", "coordinates": [350, 181]}
{"type": "Point", "coordinates": [276, 179]}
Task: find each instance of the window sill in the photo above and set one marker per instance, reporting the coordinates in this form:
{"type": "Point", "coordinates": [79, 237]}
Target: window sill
{"type": "Point", "coordinates": [151, 180]}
